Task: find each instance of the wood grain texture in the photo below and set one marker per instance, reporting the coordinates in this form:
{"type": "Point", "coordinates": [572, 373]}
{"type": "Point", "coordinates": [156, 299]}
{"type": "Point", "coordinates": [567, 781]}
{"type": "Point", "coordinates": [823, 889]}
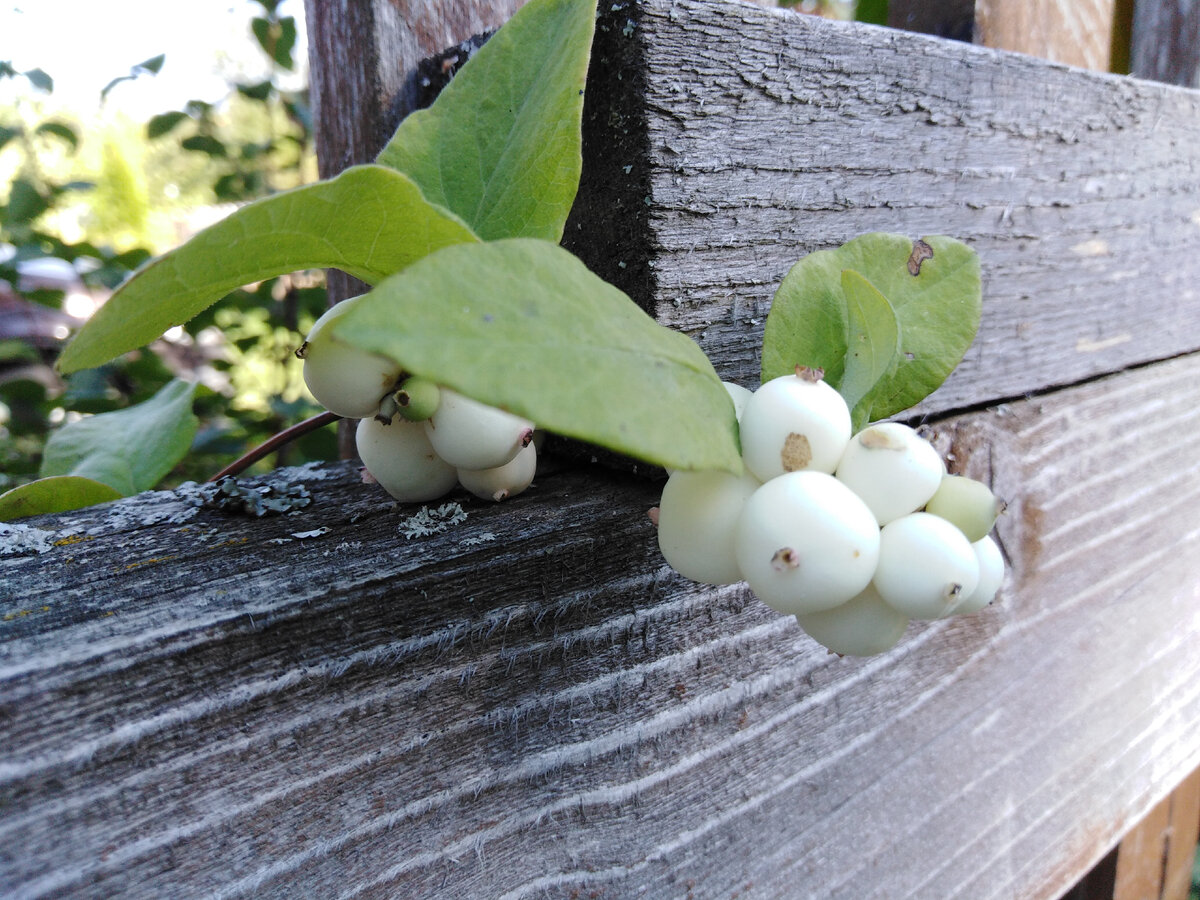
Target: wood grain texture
{"type": "Point", "coordinates": [1165, 42]}
{"type": "Point", "coordinates": [789, 134]}
{"type": "Point", "coordinates": [533, 705]}
{"type": "Point", "coordinates": [1075, 32]}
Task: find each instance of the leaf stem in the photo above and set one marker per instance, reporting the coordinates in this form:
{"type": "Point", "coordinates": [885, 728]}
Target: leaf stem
{"type": "Point", "coordinates": [275, 442]}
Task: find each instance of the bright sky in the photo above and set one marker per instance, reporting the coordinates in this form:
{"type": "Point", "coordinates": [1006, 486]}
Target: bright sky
{"type": "Point", "coordinates": [84, 44]}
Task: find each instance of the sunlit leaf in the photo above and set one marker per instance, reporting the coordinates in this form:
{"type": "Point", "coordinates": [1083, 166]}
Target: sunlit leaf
{"type": "Point", "coordinates": [59, 493]}
{"type": "Point", "coordinates": [369, 222]}
{"type": "Point", "coordinates": [933, 286]}
{"type": "Point", "coordinates": [524, 325]}
{"type": "Point", "coordinates": [129, 450]}
{"type": "Point", "coordinates": [500, 147]}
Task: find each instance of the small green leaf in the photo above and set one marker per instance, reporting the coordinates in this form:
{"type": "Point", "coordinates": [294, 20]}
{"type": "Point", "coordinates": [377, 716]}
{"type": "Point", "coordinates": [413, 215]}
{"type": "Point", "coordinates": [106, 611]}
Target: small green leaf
{"type": "Point", "coordinates": [60, 130]}
{"type": "Point", "coordinates": [523, 325]}
{"type": "Point", "coordinates": [204, 143]}
{"type": "Point", "coordinates": [872, 343]}
{"type": "Point", "coordinates": [131, 449]}
{"type": "Point", "coordinates": [164, 123]}
{"type": "Point", "coordinates": [59, 493]}
{"type": "Point", "coordinates": [40, 80]}
{"type": "Point", "coordinates": [153, 65]}
{"type": "Point", "coordinates": [369, 222]}
{"type": "Point", "coordinates": [933, 286]}
{"type": "Point", "coordinates": [500, 146]}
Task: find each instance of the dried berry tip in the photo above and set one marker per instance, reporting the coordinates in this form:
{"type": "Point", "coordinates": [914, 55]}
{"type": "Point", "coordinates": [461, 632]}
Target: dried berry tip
{"type": "Point", "coordinates": [302, 350]}
{"type": "Point", "coordinates": [812, 374]}
{"type": "Point", "coordinates": [652, 515]}
{"type": "Point", "coordinates": [785, 559]}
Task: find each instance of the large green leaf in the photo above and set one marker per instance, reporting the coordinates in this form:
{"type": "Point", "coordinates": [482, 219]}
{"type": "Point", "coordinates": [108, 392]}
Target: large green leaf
{"type": "Point", "coordinates": [369, 221]}
{"type": "Point", "coordinates": [129, 450]}
{"type": "Point", "coordinates": [59, 493]}
{"type": "Point", "coordinates": [501, 144]}
{"type": "Point", "coordinates": [523, 325]}
{"type": "Point", "coordinates": [933, 286]}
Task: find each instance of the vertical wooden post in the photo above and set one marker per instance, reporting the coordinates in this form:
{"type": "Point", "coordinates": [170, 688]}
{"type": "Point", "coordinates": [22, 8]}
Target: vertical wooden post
{"type": "Point", "coordinates": [1166, 41]}
{"type": "Point", "coordinates": [360, 52]}
{"type": "Point", "coordinates": [1078, 32]}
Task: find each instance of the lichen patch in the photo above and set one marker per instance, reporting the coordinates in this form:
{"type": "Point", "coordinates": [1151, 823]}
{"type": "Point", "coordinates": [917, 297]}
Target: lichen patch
{"type": "Point", "coordinates": [796, 453]}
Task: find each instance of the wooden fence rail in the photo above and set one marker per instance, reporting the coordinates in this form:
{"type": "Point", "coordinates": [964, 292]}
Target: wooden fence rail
{"type": "Point", "coordinates": [529, 703]}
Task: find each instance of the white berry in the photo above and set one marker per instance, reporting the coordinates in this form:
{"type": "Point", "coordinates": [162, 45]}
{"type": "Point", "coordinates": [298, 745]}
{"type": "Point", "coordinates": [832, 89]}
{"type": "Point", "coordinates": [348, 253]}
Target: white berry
{"type": "Point", "coordinates": [472, 435]}
{"type": "Point", "coordinates": [926, 566]}
{"type": "Point", "coordinates": [739, 395]}
{"type": "Point", "coordinates": [862, 626]}
{"type": "Point", "coordinates": [399, 456]}
{"type": "Point", "coordinates": [696, 519]}
{"type": "Point", "coordinates": [991, 576]}
{"type": "Point", "coordinates": [805, 542]}
{"type": "Point", "coordinates": [344, 379]}
{"type": "Point", "coordinates": [892, 468]}
{"type": "Point", "coordinates": [968, 503]}
{"type": "Point", "coordinates": [502, 482]}
{"type": "Point", "coordinates": [794, 423]}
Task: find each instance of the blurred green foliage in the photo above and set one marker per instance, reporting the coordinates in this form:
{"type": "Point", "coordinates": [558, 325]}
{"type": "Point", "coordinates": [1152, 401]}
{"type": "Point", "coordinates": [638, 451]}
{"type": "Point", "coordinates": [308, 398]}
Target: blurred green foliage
{"type": "Point", "coordinates": [103, 203]}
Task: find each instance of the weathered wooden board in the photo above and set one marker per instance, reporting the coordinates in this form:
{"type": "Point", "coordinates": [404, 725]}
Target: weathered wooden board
{"type": "Point", "coordinates": [790, 133]}
{"type": "Point", "coordinates": [532, 705]}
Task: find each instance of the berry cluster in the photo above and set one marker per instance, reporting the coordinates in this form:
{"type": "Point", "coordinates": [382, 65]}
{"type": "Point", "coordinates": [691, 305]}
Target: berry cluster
{"type": "Point", "coordinates": [853, 535]}
{"type": "Point", "coordinates": [416, 439]}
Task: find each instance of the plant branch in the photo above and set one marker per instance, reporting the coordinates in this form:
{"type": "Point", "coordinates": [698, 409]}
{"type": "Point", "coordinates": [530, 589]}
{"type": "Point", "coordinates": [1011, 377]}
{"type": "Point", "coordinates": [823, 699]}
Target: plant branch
{"type": "Point", "coordinates": [274, 442]}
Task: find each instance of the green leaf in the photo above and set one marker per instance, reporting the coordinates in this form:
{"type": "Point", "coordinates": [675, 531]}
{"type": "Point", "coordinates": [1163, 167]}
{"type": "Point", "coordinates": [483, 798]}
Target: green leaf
{"type": "Point", "coordinates": [59, 493]}
{"type": "Point", "coordinates": [369, 222]}
{"type": "Point", "coordinates": [204, 143]}
{"type": "Point", "coordinates": [500, 146]}
{"type": "Point", "coordinates": [25, 202]}
{"type": "Point", "coordinates": [523, 325]}
{"type": "Point", "coordinates": [936, 299]}
{"type": "Point", "coordinates": [153, 65]}
{"type": "Point", "coordinates": [872, 11]}
{"type": "Point", "coordinates": [40, 80]}
{"type": "Point", "coordinates": [131, 449]}
{"type": "Point", "coordinates": [164, 123]}
{"type": "Point", "coordinates": [872, 345]}
{"type": "Point", "coordinates": [60, 130]}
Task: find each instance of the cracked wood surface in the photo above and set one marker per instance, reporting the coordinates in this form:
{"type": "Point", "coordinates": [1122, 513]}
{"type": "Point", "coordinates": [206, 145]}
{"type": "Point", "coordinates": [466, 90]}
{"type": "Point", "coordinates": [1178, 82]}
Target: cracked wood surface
{"type": "Point", "coordinates": [531, 704]}
{"type": "Point", "coordinates": [789, 134]}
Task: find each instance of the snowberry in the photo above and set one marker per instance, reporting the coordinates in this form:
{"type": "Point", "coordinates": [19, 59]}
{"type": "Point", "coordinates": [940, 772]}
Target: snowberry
{"type": "Point", "coordinates": [926, 566]}
{"type": "Point", "coordinates": [417, 398]}
{"type": "Point", "coordinates": [968, 503]}
{"type": "Point", "coordinates": [502, 482]}
{"type": "Point", "coordinates": [794, 423]}
{"type": "Point", "coordinates": [862, 626]}
{"type": "Point", "coordinates": [399, 456]}
{"type": "Point", "coordinates": [739, 395]}
{"type": "Point", "coordinates": [991, 576]}
{"type": "Point", "coordinates": [892, 468]}
{"type": "Point", "coordinates": [804, 542]}
{"type": "Point", "coordinates": [472, 435]}
{"type": "Point", "coordinates": [343, 379]}
{"type": "Point", "coordinates": [696, 519]}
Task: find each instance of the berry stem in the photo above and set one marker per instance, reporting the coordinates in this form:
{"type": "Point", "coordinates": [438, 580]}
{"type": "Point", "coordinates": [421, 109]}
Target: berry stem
{"type": "Point", "coordinates": [274, 442]}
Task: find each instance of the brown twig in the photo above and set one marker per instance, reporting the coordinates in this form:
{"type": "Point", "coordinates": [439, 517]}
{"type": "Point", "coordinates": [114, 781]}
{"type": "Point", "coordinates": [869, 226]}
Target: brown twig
{"type": "Point", "coordinates": [275, 442]}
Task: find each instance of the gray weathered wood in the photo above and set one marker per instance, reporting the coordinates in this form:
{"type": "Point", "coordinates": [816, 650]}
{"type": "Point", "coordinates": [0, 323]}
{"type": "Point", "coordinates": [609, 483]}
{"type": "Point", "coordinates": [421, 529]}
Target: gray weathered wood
{"type": "Point", "coordinates": [197, 703]}
{"type": "Point", "coordinates": [791, 133]}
